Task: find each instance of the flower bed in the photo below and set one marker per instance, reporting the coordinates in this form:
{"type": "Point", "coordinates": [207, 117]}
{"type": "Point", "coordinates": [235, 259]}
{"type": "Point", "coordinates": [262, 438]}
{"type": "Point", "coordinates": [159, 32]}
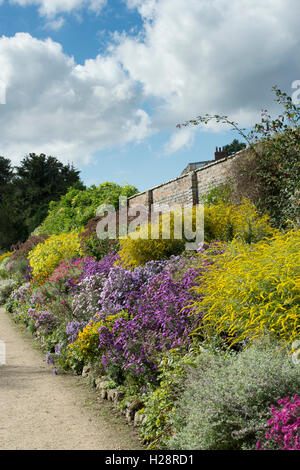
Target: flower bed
{"type": "Point", "coordinates": [144, 327]}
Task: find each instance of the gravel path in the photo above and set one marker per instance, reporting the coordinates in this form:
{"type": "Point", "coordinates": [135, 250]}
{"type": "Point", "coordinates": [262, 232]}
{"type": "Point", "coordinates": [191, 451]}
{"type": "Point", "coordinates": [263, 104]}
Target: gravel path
{"type": "Point", "coordinates": [39, 410]}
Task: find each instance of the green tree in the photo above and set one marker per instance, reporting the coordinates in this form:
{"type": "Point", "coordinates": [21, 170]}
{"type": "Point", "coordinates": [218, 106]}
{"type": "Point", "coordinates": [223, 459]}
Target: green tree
{"type": "Point", "coordinates": [6, 171]}
{"type": "Point", "coordinates": [40, 179]}
{"type": "Point", "coordinates": [26, 192]}
{"type": "Point", "coordinates": [234, 147]}
{"type": "Point", "coordinates": [10, 226]}
{"type": "Point", "coordinates": [75, 208]}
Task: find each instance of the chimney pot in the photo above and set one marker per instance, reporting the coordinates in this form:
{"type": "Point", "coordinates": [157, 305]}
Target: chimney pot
{"type": "Point", "coordinates": [219, 153]}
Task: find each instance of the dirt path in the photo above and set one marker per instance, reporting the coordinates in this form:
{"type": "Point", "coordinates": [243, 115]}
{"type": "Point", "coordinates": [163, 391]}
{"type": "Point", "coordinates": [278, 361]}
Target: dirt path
{"type": "Point", "coordinates": [39, 410]}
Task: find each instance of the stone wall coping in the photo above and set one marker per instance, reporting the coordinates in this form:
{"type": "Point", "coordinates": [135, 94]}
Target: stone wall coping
{"type": "Point", "coordinates": [203, 168]}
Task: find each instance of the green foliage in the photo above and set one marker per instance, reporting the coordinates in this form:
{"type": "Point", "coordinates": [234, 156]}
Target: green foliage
{"type": "Point", "coordinates": [227, 399]}
{"type": "Point", "coordinates": [93, 246]}
{"type": "Point", "coordinates": [5, 172]}
{"type": "Point", "coordinates": [77, 207]}
{"type": "Point", "coordinates": [3, 273]}
{"type": "Point", "coordinates": [18, 268]}
{"type": "Point", "coordinates": [98, 249]}
{"type": "Point", "coordinates": [11, 305]}
{"type": "Point", "coordinates": [39, 180]}
{"type": "Point", "coordinates": [6, 288]}
{"type": "Point", "coordinates": [12, 226]}
{"type": "Point", "coordinates": [59, 336]}
{"type": "Point", "coordinates": [274, 145]}
{"type": "Point", "coordinates": [217, 194]}
{"type": "Point", "coordinates": [160, 402]}
{"type": "Point", "coordinates": [234, 147]}
{"type": "Point", "coordinates": [5, 257]}
{"type": "Point", "coordinates": [26, 194]}
{"type": "Point", "coordinates": [279, 169]}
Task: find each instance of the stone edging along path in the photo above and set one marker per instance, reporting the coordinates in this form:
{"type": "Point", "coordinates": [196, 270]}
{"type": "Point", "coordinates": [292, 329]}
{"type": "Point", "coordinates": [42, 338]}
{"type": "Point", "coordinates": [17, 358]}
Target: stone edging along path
{"type": "Point", "coordinates": [43, 411]}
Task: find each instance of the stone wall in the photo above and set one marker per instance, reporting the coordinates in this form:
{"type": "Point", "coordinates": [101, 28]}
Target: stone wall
{"type": "Point", "coordinates": [188, 188]}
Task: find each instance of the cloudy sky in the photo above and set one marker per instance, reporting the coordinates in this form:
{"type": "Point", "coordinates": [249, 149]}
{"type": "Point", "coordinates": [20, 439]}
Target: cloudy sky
{"type": "Point", "coordinates": [103, 83]}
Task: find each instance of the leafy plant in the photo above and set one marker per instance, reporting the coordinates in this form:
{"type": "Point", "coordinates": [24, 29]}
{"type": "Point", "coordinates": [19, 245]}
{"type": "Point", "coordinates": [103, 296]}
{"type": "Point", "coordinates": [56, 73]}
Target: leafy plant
{"type": "Point", "coordinates": [21, 250]}
{"type": "Point", "coordinates": [274, 146]}
{"type": "Point", "coordinates": [6, 288]}
{"type": "Point", "coordinates": [227, 399]}
{"type": "Point", "coordinates": [159, 409]}
{"type": "Point", "coordinates": [4, 260]}
{"type": "Point", "coordinates": [217, 194]}
{"type": "Point", "coordinates": [77, 206]}
{"type": "Point", "coordinates": [92, 246]}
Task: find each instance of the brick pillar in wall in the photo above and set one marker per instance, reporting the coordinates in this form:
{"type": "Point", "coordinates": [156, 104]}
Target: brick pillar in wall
{"type": "Point", "coordinates": [149, 198]}
{"type": "Point", "coordinates": [194, 188]}
{"type": "Point", "coordinates": [149, 202]}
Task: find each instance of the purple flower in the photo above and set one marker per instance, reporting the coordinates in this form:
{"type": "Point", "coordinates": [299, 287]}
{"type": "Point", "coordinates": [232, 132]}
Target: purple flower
{"type": "Point", "coordinates": [22, 293]}
{"type": "Point", "coordinates": [28, 273]}
{"type": "Point", "coordinates": [202, 247]}
{"type": "Point", "coordinates": [49, 359]}
{"type": "Point", "coordinates": [92, 267]}
{"type": "Point", "coordinates": [157, 320]}
{"type": "Point", "coordinates": [44, 320]}
{"type": "Point", "coordinates": [58, 348]}
{"type": "Point", "coordinates": [73, 328]}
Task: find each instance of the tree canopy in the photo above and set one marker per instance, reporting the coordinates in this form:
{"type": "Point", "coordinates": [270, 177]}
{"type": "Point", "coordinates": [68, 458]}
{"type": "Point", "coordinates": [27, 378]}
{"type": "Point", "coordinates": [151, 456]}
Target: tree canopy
{"type": "Point", "coordinates": [26, 192]}
{"type": "Point", "coordinates": [234, 147]}
{"type": "Point", "coordinates": [75, 208]}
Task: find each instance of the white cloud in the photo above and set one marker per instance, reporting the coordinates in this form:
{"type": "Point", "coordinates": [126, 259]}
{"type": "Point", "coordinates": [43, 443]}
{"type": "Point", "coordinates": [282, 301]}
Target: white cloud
{"type": "Point", "coordinates": [192, 57]}
{"type": "Point", "coordinates": [60, 108]}
{"type": "Point", "coordinates": [55, 24]}
{"type": "Point", "coordinates": [220, 56]}
{"type": "Point", "coordinates": [146, 8]}
{"type": "Point", "coordinates": [179, 140]}
{"type": "Point", "coordinates": [50, 8]}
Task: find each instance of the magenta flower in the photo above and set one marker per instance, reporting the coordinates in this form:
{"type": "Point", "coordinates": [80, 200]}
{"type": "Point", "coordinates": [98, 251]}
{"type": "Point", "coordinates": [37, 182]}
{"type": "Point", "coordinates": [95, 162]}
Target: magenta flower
{"type": "Point", "coordinates": [284, 432]}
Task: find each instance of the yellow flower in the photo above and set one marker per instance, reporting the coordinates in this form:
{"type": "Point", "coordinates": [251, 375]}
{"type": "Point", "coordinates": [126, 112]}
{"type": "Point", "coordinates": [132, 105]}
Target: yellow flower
{"type": "Point", "coordinates": [46, 256]}
{"type": "Point", "coordinates": [253, 290]}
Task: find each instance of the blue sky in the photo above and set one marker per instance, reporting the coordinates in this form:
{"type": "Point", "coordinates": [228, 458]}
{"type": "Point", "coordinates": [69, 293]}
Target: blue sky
{"type": "Point", "coordinates": [84, 33]}
{"type": "Point", "coordinates": [103, 83]}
